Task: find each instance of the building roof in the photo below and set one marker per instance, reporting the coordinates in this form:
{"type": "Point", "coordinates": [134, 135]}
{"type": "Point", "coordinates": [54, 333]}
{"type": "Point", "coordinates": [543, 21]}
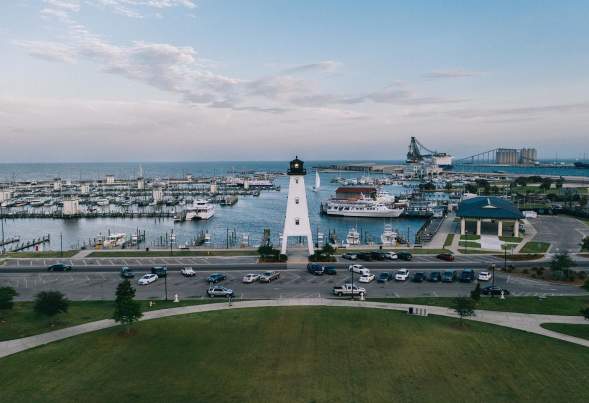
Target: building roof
{"type": "Point", "coordinates": [355, 189]}
{"type": "Point", "coordinates": [488, 207]}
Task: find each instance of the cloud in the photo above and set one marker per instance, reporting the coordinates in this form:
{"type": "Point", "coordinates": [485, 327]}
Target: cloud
{"type": "Point", "coordinates": [521, 112]}
{"type": "Point", "coordinates": [50, 51]}
{"type": "Point", "coordinates": [133, 8]}
{"type": "Point", "coordinates": [443, 74]}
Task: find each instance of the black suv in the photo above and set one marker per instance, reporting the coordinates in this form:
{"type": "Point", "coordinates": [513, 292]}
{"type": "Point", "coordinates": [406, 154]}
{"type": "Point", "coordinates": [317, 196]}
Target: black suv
{"type": "Point", "coordinates": [59, 267]}
{"type": "Point", "coordinates": [161, 271]}
{"type": "Point", "coordinates": [315, 269]}
{"type": "Point", "coordinates": [467, 276]}
{"type": "Point", "coordinates": [404, 255]}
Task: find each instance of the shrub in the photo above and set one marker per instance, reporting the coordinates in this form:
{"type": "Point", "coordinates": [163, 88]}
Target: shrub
{"type": "Point", "coordinates": [476, 293]}
{"type": "Point", "coordinates": [586, 284]}
{"type": "Point", "coordinates": [581, 274]}
{"type": "Point", "coordinates": [526, 271]}
{"type": "Point", "coordinates": [7, 295]}
{"type": "Point", "coordinates": [50, 303]}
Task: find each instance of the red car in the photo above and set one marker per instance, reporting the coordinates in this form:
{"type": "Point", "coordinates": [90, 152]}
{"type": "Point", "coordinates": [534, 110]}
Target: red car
{"type": "Point", "coordinates": [446, 256]}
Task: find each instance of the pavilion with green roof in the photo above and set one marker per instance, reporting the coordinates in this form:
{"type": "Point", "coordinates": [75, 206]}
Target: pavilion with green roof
{"type": "Point", "coordinates": [488, 208]}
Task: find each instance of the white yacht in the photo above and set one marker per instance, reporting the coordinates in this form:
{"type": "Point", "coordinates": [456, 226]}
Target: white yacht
{"type": "Point", "coordinates": [102, 202]}
{"type": "Point", "coordinates": [353, 237]}
{"type": "Point", "coordinates": [201, 209]}
{"type": "Point", "coordinates": [317, 182]}
{"type": "Point", "coordinates": [360, 208]}
{"type": "Point", "coordinates": [388, 237]}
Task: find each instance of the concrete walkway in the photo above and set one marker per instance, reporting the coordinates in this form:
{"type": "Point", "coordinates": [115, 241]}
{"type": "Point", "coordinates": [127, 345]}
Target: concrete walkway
{"type": "Point", "coordinates": [526, 322]}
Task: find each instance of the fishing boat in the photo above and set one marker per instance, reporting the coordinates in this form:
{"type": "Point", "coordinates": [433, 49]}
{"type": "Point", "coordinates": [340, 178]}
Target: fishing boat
{"type": "Point", "coordinates": [388, 236]}
{"type": "Point", "coordinates": [353, 237]}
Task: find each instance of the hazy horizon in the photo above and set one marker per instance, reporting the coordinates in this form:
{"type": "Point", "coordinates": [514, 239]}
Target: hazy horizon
{"type": "Point", "coordinates": [203, 80]}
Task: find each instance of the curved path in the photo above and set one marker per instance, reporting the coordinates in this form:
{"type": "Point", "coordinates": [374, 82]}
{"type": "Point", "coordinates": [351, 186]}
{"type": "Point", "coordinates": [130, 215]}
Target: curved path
{"type": "Point", "coordinates": [526, 322]}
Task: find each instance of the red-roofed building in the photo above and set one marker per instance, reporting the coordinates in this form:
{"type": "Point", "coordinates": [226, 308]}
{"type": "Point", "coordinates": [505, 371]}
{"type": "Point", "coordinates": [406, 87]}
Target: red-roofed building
{"type": "Point", "coordinates": [355, 192]}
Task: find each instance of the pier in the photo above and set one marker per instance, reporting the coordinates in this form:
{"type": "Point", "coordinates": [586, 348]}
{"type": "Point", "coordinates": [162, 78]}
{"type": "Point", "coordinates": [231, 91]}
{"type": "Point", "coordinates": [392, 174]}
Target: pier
{"type": "Point", "coordinates": [30, 244]}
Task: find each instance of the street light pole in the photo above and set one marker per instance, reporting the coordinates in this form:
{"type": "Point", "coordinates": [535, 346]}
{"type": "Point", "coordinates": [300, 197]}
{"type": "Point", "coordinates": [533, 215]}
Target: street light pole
{"type": "Point", "coordinates": [166, 285]}
{"type": "Point", "coordinates": [2, 221]}
{"type": "Point", "coordinates": [352, 284]}
{"type": "Point", "coordinates": [171, 253]}
{"type": "Point", "coordinates": [61, 244]}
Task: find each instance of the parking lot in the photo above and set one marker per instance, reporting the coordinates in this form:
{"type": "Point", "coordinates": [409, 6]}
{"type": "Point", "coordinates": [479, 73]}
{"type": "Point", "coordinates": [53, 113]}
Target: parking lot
{"type": "Point", "coordinates": [562, 232]}
{"type": "Point", "coordinates": [293, 283]}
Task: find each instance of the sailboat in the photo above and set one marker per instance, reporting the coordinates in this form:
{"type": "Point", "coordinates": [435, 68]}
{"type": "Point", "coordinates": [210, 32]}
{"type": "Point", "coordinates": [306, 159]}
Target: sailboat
{"type": "Point", "coordinates": [317, 182]}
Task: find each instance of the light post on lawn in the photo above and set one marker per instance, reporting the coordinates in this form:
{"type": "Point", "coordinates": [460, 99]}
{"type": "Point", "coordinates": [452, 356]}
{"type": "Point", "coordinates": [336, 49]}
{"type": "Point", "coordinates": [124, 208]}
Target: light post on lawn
{"type": "Point", "coordinates": [166, 285]}
{"type": "Point", "coordinates": [493, 278]}
{"type": "Point", "coordinates": [352, 283]}
{"type": "Point", "coordinates": [466, 241]}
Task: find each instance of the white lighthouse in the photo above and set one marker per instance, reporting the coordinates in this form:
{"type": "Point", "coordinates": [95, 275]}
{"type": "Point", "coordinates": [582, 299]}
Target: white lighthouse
{"type": "Point", "coordinates": [297, 222]}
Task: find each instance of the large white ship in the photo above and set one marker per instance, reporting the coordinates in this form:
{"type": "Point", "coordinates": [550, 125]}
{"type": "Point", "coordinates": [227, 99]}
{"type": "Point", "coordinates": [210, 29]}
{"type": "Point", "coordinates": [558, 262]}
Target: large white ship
{"type": "Point", "coordinates": [201, 209]}
{"type": "Point", "coordinates": [360, 208]}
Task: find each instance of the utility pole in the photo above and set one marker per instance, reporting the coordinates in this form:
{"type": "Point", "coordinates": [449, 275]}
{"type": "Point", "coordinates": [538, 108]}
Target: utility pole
{"type": "Point", "coordinates": [61, 244]}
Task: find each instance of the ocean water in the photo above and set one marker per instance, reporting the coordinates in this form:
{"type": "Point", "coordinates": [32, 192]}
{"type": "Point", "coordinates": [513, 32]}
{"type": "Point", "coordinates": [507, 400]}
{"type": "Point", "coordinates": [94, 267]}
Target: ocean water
{"type": "Point", "coordinates": [251, 215]}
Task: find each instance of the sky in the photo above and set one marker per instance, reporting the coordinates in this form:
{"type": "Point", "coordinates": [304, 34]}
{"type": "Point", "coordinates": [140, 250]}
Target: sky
{"type": "Point", "coordinates": [203, 80]}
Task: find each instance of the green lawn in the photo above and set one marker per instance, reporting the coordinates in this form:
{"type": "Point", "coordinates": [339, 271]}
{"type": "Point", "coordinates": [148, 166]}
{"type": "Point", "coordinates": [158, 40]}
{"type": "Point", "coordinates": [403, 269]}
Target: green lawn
{"type": "Point", "coordinates": [548, 306]}
{"type": "Point", "coordinates": [470, 237]}
{"type": "Point", "coordinates": [581, 331]}
{"type": "Point", "coordinates": [21, 321]}
{"type": "Point", "coordinates": [414, 251]}
{"type": "Point", "coordinates": [535, 247]}
{"type": "Point", "coordinates": [164, 253]}
{"type": "Point", "coordinates": [302, 355]}
{"type": "Point", "coordinates": [511, 239]}
{"type": "Point", "coordinates": [449, 240]}
{"type": "Point", "coordinates": [42, 254]}
{"type": "Point", "coordinates": [469, 244]}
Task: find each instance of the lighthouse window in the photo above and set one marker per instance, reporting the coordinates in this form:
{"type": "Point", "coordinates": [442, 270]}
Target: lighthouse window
{"type": "Point", "coordinates": [296, 180]}
{"type": "Point", "coordinates": [296, 221]}
{"type": "Point", "coordinates": [296, 200]}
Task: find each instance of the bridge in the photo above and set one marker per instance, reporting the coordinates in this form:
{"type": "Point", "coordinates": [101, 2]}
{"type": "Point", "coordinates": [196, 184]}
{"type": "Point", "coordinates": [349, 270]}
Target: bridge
{"type": "Point", "coordinates": [490, 157]}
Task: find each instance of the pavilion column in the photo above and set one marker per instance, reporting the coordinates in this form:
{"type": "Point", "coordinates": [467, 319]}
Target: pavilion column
{"type": "Point", "coordinates": [516, 228]}
{"type": "Point", "coordinates": [500, 228]}
{"type": "Point", "coordinates": [479, 227]}
{"type": "Point", "coordinates": [462, 226]}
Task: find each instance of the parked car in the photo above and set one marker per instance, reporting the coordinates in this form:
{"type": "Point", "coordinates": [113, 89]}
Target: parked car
{"type": "Point", "coordinates": [404, 255]}
{"type": "Point", "coordinates": [188, 272]}
{"type": "Point", "coordinates": [364, 256]}
{"type": "Point", "coordinates": [329, 270]}
{"type": "Point", "coordinates": [348, 289]}
{"type": "Point", "coordinates": [494, 290]}
{"type": "Point", "coordinates": [147, 279]}
{"type": "Point", "coordinates": [350, 256]}
{"type": "Point", "coordinates": [268, 276]}
{"type": "Point", "coordinates": [250, 278]}
{"type": "Point", "coordinates": [358, 268]}
{"type": "Point", "coordinates": [467, 276]}
{"type": "Point", "coordinates": [216, 277]}
{"type": "Point", "coordinates": [391, 255]}
{"type": "Point", "coordinates": [366, 278]}
{"type": "Point", "coordinates": [485, 276]}
{"type": "Point", "coordinates": [126, 272]}
{"type": "Point", "coordinates": [435, 277]}
{"type": "Point", "coordinates": [418, 277]}
{"type": "Point", "coordinates": [377, 256]}
{"type": "Point", "coordinates": [220, 291]}
{"type": "Point", "coordinates": [449, 276]}
{"type": "Point", "coordinates": [59, 267]}
{"type": "Point", "coordinates": [446, 256]}
{"type": "Point", "coordinates": [161, 271]}
{"type": "Point", "coordinates": [315, 269]}
{"type": "Point", "coordinates": [402, 275]}
{"type": "Point", "coordinates": [384, 277]}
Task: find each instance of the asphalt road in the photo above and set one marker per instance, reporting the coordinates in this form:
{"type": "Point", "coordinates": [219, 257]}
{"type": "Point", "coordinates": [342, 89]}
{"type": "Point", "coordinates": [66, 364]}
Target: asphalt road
{"type": "Point", "coordinates": [293, 283]}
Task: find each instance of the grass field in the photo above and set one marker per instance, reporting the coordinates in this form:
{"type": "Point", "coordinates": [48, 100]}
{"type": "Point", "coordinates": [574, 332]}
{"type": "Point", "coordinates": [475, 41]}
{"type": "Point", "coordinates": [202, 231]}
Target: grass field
{"type": "Point", "coordinates": [549, 306]}
{"type": "Point", "coordinates": [581, 331]}
{"type": "Point", "coordinates": [470, 237]}
{"type": "Point", "coordinates": [42, 254]}
{"type": "Point", "coordinates": [535, 247]}
{"type": "Point", "coordinates": [414, 251]}
{"type": "Point", "coordinates": [469, 244]}
{"type": "Point", "coordinates": [21, 321]}
{"type": "Point", "coordinates": [164, 253]}
{"type": "Point", "coordinates": [449, 240]}
{"type": "Point", "coordinates": [300, 355]}
{"type": "Point", "coordinates": [511, 239]}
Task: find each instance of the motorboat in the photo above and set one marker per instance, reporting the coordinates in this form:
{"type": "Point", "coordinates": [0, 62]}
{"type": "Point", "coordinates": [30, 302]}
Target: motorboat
{"type": "Point", "coordinates": [200, 209]}
{"type": "Point", "coordinates": [353, 237]}
{"type": "Point", "coordinates": [388, 237]}
{"type": "Point", "coordinates": [360, 208]}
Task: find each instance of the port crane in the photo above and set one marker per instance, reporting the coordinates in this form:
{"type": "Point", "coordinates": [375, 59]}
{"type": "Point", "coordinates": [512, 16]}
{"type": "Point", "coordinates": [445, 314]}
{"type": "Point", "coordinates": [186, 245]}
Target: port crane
{"type": "Point", "coordinates": [418, 152]}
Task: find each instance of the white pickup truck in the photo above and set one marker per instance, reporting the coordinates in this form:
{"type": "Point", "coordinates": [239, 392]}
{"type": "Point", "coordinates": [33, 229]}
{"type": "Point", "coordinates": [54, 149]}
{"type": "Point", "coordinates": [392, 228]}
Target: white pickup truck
{"type": "Point", "coordinates": [348, 289]}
